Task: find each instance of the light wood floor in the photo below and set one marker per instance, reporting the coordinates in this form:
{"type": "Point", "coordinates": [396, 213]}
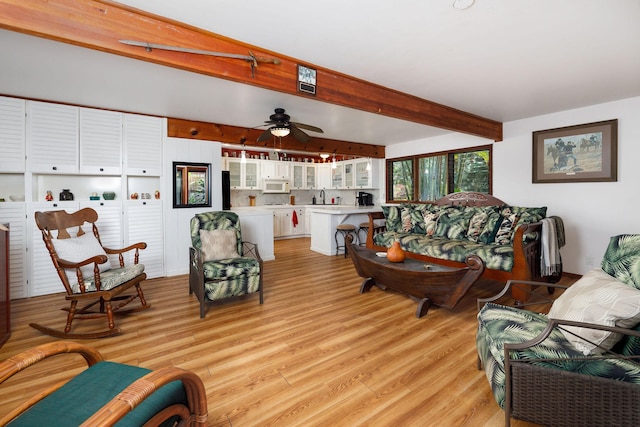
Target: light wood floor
{"type": "Point", "coordinates": [317, 353]}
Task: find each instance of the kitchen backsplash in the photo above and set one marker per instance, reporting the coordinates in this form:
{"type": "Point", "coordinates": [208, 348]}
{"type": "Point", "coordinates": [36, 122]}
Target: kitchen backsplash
{"type": "Point", "coordinates": [302, 197]}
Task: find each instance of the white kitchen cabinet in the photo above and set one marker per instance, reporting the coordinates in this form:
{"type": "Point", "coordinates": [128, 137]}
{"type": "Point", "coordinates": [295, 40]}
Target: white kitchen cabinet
{"type": "Point", "coordinates": [142, 145]}
{"type": "Point", "coordinates": [275, 169]}
{"type": "Point", "coordinates": [52, 138]}
{"type": "Point", "coordinates": [298, 177]}
{"type": "Point", "coordinates": [324, 176]}
{"type": "Point", "coordinates": [283, 222]}
{"type": "Point", "coordinates": [243, 176]}
{"type": "Point", "coordinates": [44, 278]}
{"type": "Point", "coordinates": [364, 173]}
{"type": "Point", "coordinates": [348, 174]}
{"type": "Point", "coordinates": [310, 176]}
{"type": "Point", "coordinates": [12, 134]}
{"type": "Point", "coordinates": [144, 223]}
{"type": "Point", "coordinates": [100, 142]}
{"type": "Point", "coordinates": [307, 221]}
{"type": "Point", "coordinates": [298, 230]}
{"type": "Point", "coordinates": [337, 175]}
{"type": "Point", "coordinates": [14, 214]}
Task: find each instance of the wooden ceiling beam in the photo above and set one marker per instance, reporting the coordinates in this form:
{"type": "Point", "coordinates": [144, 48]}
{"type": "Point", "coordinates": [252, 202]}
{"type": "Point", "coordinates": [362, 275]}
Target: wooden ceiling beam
{"type": "Point", "coordinates": [101, 24]}
{"type": "Point", "coordinates": [179, 128]}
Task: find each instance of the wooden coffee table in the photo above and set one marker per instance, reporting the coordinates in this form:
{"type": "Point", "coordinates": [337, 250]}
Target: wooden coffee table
{"type": "Point", "coordinates": [429, 284]}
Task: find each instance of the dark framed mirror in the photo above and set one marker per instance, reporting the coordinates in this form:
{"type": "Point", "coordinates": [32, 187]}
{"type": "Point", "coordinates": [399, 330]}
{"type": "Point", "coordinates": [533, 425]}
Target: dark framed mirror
{"type": "Point", "coordinates": [191, 185]}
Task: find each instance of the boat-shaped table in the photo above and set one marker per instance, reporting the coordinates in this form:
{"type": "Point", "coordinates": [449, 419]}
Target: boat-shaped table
{"type": "Point", "coordinates": [429, 284]}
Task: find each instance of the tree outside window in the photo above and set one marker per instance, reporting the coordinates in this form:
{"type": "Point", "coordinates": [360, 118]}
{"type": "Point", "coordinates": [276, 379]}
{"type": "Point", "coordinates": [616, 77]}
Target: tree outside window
{"type": "Point", "coordinates": [437, 174]}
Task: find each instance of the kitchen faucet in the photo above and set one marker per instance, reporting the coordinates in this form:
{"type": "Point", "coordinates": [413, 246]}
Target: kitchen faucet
{"type": "Point", "coordinates": [322, 195]}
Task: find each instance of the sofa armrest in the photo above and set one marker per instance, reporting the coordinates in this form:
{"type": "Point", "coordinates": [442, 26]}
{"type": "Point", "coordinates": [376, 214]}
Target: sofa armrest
{"type": "Point", "coordinates": [375, 228]}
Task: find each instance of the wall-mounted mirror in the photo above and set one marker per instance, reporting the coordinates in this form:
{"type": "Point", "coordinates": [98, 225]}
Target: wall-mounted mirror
{"type": "Point", "coordinates": [191, 185]}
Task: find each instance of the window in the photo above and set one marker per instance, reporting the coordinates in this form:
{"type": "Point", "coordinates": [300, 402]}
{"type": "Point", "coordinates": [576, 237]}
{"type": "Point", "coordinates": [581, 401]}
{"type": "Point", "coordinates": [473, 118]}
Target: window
{"type": "Point", "coordinates": [191, 185]}
{"type": "Point", "coordinates": [437, 174]}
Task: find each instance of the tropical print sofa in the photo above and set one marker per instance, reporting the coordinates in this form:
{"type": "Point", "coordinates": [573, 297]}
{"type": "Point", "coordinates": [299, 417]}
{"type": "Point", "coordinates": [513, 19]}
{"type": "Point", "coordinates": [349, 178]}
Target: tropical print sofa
{"type": "Point", "coordinates": [505, 237]}
{"type": "Point", "coordinates": [575, 357]}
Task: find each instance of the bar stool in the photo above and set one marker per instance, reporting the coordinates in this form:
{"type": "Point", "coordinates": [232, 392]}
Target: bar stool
{"type": "Point", "coordinates": [364, 226]}
{"type": "Point", "coordinates": [344, 230]}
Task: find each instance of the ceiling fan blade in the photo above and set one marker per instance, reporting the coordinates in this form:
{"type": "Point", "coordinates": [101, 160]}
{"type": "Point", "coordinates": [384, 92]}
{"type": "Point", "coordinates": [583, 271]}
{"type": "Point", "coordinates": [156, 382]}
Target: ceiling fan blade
{"type": "Point", "coordinates": [264, 136]}
{"type": "Point", "coordinates": [307, 127]}
{"type": "Point", "coordinates": [298, 134]}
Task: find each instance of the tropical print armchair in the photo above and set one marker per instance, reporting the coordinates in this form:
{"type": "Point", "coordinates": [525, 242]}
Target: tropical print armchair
{"type": "Point", "coordinates": [221, 264]}
{"type": "Point", "coordinates": [567, 366]}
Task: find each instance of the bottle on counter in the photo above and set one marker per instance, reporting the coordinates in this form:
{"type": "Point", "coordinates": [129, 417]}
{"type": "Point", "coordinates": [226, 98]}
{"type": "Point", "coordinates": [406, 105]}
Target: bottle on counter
{"type": "Point", "coordinates": [313, 200]}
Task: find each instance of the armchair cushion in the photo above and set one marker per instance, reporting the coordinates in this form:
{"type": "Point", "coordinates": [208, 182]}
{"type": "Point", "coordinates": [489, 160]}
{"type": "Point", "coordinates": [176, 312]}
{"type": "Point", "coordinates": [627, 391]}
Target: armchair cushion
{"type": "Point", "coordinates": [230, 267]}
{"type": "Point", "coordinates": [218, 244]}
{"type": "Point", "coordinates": [86, 393]}
{"type": "Point", "coordinates": [601, 299]}
{"type": "Point", "coordinates": [76, 249]}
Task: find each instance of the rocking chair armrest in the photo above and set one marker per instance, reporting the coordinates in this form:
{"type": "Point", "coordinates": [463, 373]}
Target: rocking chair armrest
{"type": "Point", "coordinates": [251, 250]}
{"type": "Point", "coordinates": [139, 245]}
{"type": "Point", "coordinates": [98, 259]}
{"type": "Point", "coordinates": [531, 286]}
{"type": "Point", "coordinates": [144, 387]}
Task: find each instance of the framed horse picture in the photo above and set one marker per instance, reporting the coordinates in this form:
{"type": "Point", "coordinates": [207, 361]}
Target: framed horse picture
{"type": "Point", "coordinates": [581, 153]}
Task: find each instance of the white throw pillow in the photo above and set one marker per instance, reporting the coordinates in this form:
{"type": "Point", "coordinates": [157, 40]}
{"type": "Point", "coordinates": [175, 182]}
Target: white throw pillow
{"type": "Point", "coordinates": [218, 244]}
{"type": "Point", "coordinates": [601, 299]}
{"type": "Point", "coordinates": [78, 249]}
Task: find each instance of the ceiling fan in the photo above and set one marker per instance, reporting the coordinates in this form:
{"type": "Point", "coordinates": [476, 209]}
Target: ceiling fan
{"type": "Point", "coordinates": [282, 126]}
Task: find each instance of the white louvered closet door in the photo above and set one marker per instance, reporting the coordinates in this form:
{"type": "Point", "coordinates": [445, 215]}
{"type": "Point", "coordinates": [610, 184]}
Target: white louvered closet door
{"type": "Point", "coordinates": [144, 224]}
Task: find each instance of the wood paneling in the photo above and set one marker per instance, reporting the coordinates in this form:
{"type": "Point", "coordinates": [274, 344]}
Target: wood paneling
{"type": "Point", "coordinates": [178, 128]}
{"type": "Point", "coordinates": [316, 353]}
{"type": "Point", "coordinates": [101, 24]}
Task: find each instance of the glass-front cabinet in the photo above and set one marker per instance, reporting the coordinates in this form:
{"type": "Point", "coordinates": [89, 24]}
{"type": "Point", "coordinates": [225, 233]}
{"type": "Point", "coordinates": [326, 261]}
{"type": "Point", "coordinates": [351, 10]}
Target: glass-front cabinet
{"type": "Point", "coordinates": [363, 173]}
{"type": "Point", "coordinates": [243, 176]}
{"type": "Point", "coordinates": [298, 176]}
{"type": "Point", "coordinates": [348, 175]}
{"type": "Point", "coordinates": [310, 177]}
{"type": "Point", "coordinates": [337, 175]}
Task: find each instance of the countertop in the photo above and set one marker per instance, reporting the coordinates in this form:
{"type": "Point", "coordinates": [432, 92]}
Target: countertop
{"type": "Point", "coordinates": [326, 209]}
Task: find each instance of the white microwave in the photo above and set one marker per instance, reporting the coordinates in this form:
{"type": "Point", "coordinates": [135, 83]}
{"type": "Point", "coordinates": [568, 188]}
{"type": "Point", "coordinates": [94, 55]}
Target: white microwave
{"type": "Point", "coordinates": [276, 186]}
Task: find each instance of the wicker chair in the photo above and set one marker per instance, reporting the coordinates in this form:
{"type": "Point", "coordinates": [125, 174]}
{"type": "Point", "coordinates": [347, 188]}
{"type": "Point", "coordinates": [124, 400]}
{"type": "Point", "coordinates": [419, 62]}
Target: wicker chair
{"type": "Point", "coordinates": [221, 264]}
{"type": "Point", "coordinates": [107, 393]}
{"type": "Point", "coordinates": [566, 372]}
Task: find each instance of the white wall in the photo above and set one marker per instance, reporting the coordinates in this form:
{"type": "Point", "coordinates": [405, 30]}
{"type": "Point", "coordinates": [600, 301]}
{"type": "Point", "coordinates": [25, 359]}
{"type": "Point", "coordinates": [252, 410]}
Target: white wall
{"type": "Point", "coordinates": [592, 212]}
{"type": "Point", "coordinates": [176, 221]}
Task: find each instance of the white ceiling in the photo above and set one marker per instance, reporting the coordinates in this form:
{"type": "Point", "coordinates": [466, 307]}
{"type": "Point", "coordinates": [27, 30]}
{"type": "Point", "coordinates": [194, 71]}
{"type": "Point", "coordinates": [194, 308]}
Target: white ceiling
{"type": "Point", "coordinates": [500, 59]}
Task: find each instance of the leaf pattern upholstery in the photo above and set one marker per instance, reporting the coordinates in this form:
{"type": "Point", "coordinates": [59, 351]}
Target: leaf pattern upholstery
{"type": "Point", "coordinates": [498, 325]}
{"type": "Point", "coordinates": [225, 278]}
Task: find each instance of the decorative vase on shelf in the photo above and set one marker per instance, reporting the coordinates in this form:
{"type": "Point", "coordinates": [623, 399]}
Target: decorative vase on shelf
{"type": "Point", "coordinates": [395, 253]}
{"type": "Point", "coordinates": [66, 194]}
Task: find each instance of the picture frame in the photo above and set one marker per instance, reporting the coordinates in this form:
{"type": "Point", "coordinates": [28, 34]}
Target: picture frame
{"type": "Point", "coordinates": [191, 185]}
{"type": "Point", "coordinates": [580, 153]}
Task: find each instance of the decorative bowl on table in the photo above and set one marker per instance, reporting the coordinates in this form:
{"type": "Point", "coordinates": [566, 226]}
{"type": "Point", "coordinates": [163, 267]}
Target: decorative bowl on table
{"type": "Point", "coordinates": [17, 198]}
{"type": "Point", "coordinates": [109, 195]}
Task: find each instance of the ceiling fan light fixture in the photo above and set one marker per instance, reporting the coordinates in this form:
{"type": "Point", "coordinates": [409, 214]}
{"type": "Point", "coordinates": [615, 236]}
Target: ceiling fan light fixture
{"type": "Point", "coordinates": [324, 156]}
{"type": "Point", "coordinates": [279, 131]}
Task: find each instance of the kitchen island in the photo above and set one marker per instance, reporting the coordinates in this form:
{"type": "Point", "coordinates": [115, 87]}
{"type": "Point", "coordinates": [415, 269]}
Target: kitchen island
{"type": "Point", "coordinates": [325, 219]}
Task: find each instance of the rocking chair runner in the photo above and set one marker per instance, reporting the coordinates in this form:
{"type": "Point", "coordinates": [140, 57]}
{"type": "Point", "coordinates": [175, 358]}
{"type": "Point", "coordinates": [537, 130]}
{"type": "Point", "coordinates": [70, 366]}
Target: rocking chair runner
{"type": "Point", "coordinates": [85, 271]}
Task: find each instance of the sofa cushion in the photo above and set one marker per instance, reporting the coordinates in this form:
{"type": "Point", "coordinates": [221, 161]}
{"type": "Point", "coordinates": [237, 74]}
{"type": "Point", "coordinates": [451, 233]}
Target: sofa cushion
{"type": "Point", "coordinates": [392, 218]}
{"type": "Point", "coordinates": [453, 222]}
{"type": "Point", "coordinates": [621, 259]}
{"type": "Point", "coordinates": [601, 299]}
{"type": "Point", "coordinates": [495, 257]}
{"type": "Point", "coordinates": [527, 215]}
{"type": "Point", "coordinates": [505, 228]}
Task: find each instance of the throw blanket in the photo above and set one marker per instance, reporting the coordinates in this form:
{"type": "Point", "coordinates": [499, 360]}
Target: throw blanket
{"type": "Point", "coordinates": [550, 262]}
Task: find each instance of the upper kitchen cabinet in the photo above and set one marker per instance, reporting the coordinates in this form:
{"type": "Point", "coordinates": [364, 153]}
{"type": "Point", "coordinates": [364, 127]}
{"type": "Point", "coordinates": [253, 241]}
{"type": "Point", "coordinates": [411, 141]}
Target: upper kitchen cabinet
{"type": "Point", "coordinates": [275, 169]}
{"type": "Point", "coordinates": [143, 145]}
{"type": "Point", "coordinates": [100, 142]}
{"type": "Point", "coordinates": [12, 134]}
{"type": "Point", "coordinates": [364, 172]}
{"type": "Point", "coordinates": [243, 175]}
{"type": "Point", "coordinates": [304, 176]}
{"type": "Point", "coordinates": [52, 138]}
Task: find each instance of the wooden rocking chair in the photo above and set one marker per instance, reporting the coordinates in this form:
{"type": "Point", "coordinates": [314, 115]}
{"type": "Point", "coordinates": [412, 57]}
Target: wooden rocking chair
{"type": "Point", "coordinates": [86, 273]}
